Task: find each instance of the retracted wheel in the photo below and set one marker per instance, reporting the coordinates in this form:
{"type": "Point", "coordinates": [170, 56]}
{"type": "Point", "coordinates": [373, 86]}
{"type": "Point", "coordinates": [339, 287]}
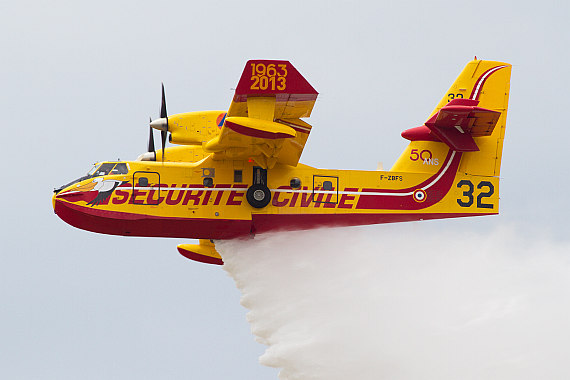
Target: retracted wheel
{"type": "Point", "coordinates": [258, 195]}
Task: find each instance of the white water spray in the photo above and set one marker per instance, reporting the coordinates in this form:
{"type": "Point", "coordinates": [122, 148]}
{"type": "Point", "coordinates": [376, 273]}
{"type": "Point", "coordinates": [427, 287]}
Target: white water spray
{"type": "Point", "coordinates": [385, 303]}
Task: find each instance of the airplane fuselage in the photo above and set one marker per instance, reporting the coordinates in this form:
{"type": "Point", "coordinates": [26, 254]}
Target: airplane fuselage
{"type": "Point", "coordinates": [208, 199]}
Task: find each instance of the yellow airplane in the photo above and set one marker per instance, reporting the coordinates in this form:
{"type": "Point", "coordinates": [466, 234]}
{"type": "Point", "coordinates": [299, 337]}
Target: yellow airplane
{"type": "Point", "coordinates": [237, 173]}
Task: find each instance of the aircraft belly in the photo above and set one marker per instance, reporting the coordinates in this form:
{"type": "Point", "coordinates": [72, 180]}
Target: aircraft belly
{"type": "Point", "coordinates": [130, 224]}
{"type": "Point", "coordinates": [297, 222]}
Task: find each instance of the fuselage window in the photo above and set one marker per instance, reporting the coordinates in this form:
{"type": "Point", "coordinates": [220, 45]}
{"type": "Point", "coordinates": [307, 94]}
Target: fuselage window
{"type": "Point", "coordinates": [238, 175]}
{"type": "Point", "coordinates": [208, 182]}
{"type": "Point", "coordinates": [143, 182]}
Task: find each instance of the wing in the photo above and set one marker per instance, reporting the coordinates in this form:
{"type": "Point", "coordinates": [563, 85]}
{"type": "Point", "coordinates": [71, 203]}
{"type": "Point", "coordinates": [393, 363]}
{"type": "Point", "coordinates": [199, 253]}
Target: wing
{"type": "Point", "coordinates": [263, 122]}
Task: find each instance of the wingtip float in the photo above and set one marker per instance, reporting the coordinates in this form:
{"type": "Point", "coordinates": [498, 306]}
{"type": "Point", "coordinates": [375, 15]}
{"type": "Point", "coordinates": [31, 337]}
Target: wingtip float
{"type": "Point", "coordinates": [237, 173]}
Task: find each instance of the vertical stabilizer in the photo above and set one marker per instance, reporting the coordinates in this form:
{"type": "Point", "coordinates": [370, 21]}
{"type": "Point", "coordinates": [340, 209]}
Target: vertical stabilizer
{"type": "Point", "coordinates": [479, 97]}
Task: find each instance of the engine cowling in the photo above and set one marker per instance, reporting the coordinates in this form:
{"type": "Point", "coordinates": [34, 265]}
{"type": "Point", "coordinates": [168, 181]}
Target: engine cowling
{"type": "Point", "coordinates": [194, 128]}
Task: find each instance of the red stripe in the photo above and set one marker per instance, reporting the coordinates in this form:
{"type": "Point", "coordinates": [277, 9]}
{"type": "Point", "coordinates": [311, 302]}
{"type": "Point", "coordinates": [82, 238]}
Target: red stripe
{"type": "Point", "coordinates": [478, 87]}
{"type": "Point", "coordinates": [128, 224]}
{"type": "Point", "coordinates": [434, 193]}
{"type": "Point", "coordinates": [298, 128]}
{"type": "Point", "coordinates": [281, 98]}
{"type": "Point", "coordinates": [252, 132]}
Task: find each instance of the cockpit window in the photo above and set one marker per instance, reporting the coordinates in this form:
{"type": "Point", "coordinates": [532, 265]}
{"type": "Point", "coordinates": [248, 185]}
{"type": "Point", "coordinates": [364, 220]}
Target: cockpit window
{"type": "Point", "coordinates": [103, 170]}
{"type": "Point", "coordinates": [108, 168]}
{"type": "Point", "coordinates": [98, 170]}
{"type": "Point", "coordinates": [120, 168]}
{"type": "Point", "coordinates": [92, 171]}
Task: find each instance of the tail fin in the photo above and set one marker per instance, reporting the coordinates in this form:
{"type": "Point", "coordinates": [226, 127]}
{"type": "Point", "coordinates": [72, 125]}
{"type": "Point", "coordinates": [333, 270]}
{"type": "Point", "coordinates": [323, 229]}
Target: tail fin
{"type": "Point", "coordinates": [470, 117]}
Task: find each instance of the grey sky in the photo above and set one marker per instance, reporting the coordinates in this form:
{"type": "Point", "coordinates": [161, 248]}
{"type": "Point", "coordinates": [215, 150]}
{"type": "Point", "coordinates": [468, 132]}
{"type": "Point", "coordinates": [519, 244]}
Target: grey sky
{"type": "Point", "coordinates": [80, 79]}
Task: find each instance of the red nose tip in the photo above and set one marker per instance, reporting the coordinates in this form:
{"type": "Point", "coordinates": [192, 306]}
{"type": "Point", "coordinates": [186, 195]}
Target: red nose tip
{"type": "Point", "coordinates": [419, 134]}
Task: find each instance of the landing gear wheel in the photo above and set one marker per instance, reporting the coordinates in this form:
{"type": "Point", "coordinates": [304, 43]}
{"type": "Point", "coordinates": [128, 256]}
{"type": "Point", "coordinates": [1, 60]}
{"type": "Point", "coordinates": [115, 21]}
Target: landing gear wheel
{"type": "Point", "coordinates": [258, 196]}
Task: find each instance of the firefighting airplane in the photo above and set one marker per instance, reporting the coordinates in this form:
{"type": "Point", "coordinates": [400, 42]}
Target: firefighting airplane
{"type": "Point", "coordinates": [237, 173]}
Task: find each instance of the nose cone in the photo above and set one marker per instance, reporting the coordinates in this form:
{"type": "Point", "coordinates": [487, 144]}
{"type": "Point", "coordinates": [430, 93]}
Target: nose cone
{"type": "Point", "coordinates": [160, 124]}
{"type": "Point", "coordinates": [53, 201]}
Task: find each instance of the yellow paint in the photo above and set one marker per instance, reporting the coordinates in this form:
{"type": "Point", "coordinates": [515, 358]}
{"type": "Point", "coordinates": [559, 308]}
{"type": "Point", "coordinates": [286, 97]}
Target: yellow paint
{"type": "Point", "coordinates": [193, 128]}
{"type": "Point", "coordinates": [211, 152]}
{"type": "Point", "coordinates": [261, 107]}
{"type": "Point", "coordinates": [205, 248]}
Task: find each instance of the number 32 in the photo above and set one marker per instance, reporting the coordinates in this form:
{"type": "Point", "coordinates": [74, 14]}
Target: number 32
{"type": "Point", "coordinates": [467, 199]}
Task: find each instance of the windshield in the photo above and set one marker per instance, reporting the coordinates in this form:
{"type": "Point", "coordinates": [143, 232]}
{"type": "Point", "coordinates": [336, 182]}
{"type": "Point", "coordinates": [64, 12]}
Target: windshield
{"type": "Point", "coordinates": [108, 168]}
{"type": "Point", "coordinates": [90, 172]}
{"type": "Point", "coordinates": [98, 170]}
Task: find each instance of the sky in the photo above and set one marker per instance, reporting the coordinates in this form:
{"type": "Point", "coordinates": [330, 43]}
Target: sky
{"type": "Point", "coordinates": [80, 80]}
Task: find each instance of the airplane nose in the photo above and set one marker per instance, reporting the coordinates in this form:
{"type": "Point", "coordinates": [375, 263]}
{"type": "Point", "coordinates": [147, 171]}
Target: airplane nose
{"type": "Point", "coordinates": [53, 200]}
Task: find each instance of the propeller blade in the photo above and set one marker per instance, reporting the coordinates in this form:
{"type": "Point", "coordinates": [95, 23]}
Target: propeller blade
{"type": "Point", "coordinates": [163, 138]}
{"type": "Point", "coordinates": [150, 139]}
{"type": "Point", "coordinates": [163, 114]}
{"type": "Point", "coordinates": [163, 105]}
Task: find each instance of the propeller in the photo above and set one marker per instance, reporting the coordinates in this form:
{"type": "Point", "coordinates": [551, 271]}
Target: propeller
{"type": "Point", "coordinates": [161, 124]}
{"type": "Point", "coordinates": [163, 132]}
{"type": "Point", "coordinates": [150, 138]}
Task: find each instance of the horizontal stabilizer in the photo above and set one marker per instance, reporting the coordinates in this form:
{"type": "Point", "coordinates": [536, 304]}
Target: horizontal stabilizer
{"type": "Point", "coordinates": [456, 124]}
{"type": "Point", "coordinates": [465, 114]}
{"type": "Point", "coordinates": [455, 138]}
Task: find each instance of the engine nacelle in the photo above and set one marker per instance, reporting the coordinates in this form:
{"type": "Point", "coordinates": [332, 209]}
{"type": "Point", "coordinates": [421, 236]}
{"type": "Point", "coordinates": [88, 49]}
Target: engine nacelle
{"type": "Point", "coordinates": [186, 153]}
{"type": "Point", "coordinates": [194, 128]}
